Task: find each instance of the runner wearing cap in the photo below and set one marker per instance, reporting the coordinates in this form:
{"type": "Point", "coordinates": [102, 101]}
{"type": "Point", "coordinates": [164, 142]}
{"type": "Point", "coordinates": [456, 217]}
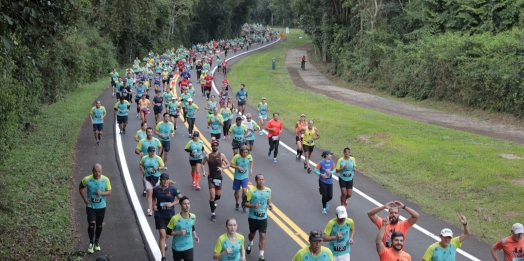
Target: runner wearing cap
{"type": "Point", "coordinates": [241, 99]}
{"type": "Point", "coordinates": [122, 109]}
{"type": "Point", "coordinates": [309, 134]}
{"type": "Point", "coordinates": [238, 132]}
{"type": "Point", "coordinates": [216, 162]}
{"type": "Point", "coordinates": [258, 200]}
{"type": "Point", "coordinates": [230, 245]}
{"type": "Point", "coordinates": [274, 128]}
{"type": "Point", "coordinates": [214, 123]}
{"type": "Point", "coordinates": [191, 90]}
{"type": "Point", "coordinates": [315, 251]}
{"type": "Point", "coordinates": [165, 197]}
{"type": "Point", "coordinates": [512, 245]}
{"type": "Point", "coordinates": [182, 228]}
{"type": "Point", "coordinates": [394, 224]}
{"type": "Point", "coordinates": [191, 110]}
{"type": "Point", "coordinates": [173, 108]}
{"type": "Point", "coordinates": [446, 249]}
{"type": "Point", "coordinates": [263, 109]}
{"type": "Point", "coordinates": [395, 252]}
{"type": "Point", "coordinates": [339, 232]}
{"type": "Point", "coordinates": [251, 126]}
{"type": "Point", "coordinates": [243, 165]}
{"type": "Point", "coordinates": [346, 169]}
{"type": "Point", "coordinates": [145, 138]}
{"type": "Point", "coordinates": [165, 131]}
{"type": "Point", "coordinates": [325, 170]}
{"type": "Point", "coordinates": [183, 83]}
{"type": "Point", "coordinates": [298, 137]}
{"type": "Point", "coordinates": [195, 147]}
{"type": "Point", "coordinates": [151, 165]}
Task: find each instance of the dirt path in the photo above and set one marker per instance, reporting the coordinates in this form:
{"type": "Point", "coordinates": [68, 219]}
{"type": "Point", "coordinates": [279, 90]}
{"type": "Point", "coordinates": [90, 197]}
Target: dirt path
{"type": "Point", "coordinates": [311, 79]}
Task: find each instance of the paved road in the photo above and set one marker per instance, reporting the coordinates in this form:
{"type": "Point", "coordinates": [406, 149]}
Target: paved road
{"type": "Point", "coordinates": [295, 195]}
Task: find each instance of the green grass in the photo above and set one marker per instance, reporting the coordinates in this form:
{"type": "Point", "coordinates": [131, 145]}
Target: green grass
{"type": "Point", "coordinates": [442, 170]}
{"type": "Point", "coordinates": [35, 210]}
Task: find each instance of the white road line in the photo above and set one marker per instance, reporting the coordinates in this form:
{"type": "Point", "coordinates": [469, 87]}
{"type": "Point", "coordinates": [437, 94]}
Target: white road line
{"type": "Point", "coordinates": [370, 199]}
{"type": "Point", "coordinates": [148, 233]}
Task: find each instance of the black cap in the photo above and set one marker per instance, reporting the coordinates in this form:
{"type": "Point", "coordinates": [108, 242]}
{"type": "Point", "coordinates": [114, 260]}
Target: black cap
{"type": "Point", "coordinates": [102, 258]}
{"type": "Point", "coordinates": [239, 118]}
{"type": "Point", "coordinates": [315, 235]}
{"type": "Point", "coordinates": [150, 148]}
{"type": "Point", "coordinates": [164, 176]}
{"type": "Point", "coordinates": [121, 98]}
{"type": "Point", "coordinates": [196, 134]}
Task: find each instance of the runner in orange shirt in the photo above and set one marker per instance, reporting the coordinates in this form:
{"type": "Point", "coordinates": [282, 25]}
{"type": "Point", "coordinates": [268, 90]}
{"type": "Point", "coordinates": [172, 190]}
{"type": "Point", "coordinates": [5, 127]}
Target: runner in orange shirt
{"type": "Point", "coordinates": [298, 137]}
{"type": "Point", "coordinates": [394, 224]}
{"type": "Point", "coordinates": [274, 128]}
{"type": "Point", "coordinates": [395, 252]}
{"type": "Point", "coordinates": [512, 245]}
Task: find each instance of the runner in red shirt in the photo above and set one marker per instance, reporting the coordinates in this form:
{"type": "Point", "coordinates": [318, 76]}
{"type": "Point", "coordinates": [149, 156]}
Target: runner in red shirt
{"type": "Point", "coordinates": [225, 82]}
{"type": "Point", "coordinates": [181, 64]}
{"type": "Point", "coordinates": [207, 86]}
{"type": "Point", "coordinates": [183, 83]}
{"type": "Point", "coordinates": [274, 128]}
{"type": "Point", "coordinates": [224, 68]}
{"type": "Point", "coordinates": [210, 60]}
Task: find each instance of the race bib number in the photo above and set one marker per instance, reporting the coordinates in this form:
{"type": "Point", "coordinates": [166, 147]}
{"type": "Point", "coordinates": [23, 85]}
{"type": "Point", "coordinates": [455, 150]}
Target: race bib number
{"type": "Point", "coordinates": [263, 112]}
{"type": "Point", "coordinates": [214, 127]}
{"type": "Point", "coordinates": [242, 97]}
{"type": "Point", "coordinates": [339, 248]}
{"type": "Point", "coordinates": [517, 259]}
{"type": "Point", "coordinates": [122, 111]}
{"type": "Point", "coordinates": [274, 137]}
{"type": "Point", "coordinates": [96, 198]}
{"type": "Point", "coordinates": [347, 175]}
{"type": "Point", "coordinates": [260, 214]}
{"type": "Point", "coordinates": [238, 137]}
{"type": "Point", "coordinates": [190, 115]}
{"type": "Point", "coordinates": [217, 182]}
{"type": "Point", "coordinates": [163, 205]}
{"type": "Point", "coordinates": [98, 116]}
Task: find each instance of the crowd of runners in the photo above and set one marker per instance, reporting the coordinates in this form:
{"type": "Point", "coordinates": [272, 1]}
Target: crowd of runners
{"type": "Point", "coordinates": [228, 123]}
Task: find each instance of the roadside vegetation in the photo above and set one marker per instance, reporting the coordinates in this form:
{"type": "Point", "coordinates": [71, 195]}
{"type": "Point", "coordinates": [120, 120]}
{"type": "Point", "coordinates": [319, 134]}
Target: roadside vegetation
{"type": "Point", "coordinates": [444, 171]}
{"type": "Point", "coordinates": [36, 180]}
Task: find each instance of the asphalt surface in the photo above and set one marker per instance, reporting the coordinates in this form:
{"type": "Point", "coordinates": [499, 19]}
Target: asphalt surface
{"type": "Point", "coordinates": [295, 195]}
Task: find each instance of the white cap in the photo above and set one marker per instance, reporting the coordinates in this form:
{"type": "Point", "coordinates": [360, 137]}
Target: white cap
{"type": "Point", "coordinates": [446, 232]}
{"type": "Point", "coordinates": [341, 212]}
{"type": "Point", "coordinates": [190, 100]}
{"type": "Point", "coordinates": [190, 84]}
{"type": "Point", "coordinates": [517, 228]}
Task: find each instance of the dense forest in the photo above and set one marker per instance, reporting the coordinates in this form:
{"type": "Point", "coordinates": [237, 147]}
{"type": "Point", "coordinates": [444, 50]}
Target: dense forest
{"type": "Point", "coordinates": [466, 51]}
{"type": "Point", "coordinates": [48, 48]}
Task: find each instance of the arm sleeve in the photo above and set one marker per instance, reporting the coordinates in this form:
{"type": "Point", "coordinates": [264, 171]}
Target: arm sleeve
{"type": "Point", "coordinates": [92, 110]}
{"type": "Point", "coordinates": [234, 160]}
{"type": "Point", "coordinates": [249, 194]}
{"type": "Point", "coordinates": [429, 253]}
{"type": "Point", "coordinates": [499, 245]}
{"type": "Point", "coordinates": [108, 184]}
{"type": "Point", "coordinates": [142, 160]}
{"type": "Point", "coordinates": [328, 228]}
{"type": "Point", "coordinates": [338, 163]}
{"type": "Point", "coordinates": [317, 169]}
{"type": "Point", "coordinates": [84, 182]}
{"type": "Point", "coordinates": [116, 105]}
{"type": "Point", "coordinates": [218, 246]}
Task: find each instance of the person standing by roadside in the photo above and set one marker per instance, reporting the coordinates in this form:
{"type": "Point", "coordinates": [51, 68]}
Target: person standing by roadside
{"type": "Point", "coordinates": [98, 188]}
{"type": "Point", "coordinates": [446, 249]}
{"type": "Point", "coordinates": [182, 228]}
{"type": "Point", "coordinates": [394, 225]}
{"type": "Point", "coordinates": [217, 162]}
{"type": "Point", "coordinates": [346, 169]}
{"type": "Point", "coordinates": [325, 170]}
{"type": "Point", "coordinates": [512, 245]}
{"type": "Point", "coordinates": [339, 232]}
{"type": "Point", "coordinates": [165, 197]}
{"type": "Point", "coordinates": [274, 128]}
{"type": "Point", "coordinates": [97, 115]}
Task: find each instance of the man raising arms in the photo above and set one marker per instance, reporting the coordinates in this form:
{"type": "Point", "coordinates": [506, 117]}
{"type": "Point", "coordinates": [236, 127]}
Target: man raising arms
{"type": "Point", "coordinates": [394, 225]}
{"type": "Point", "coordinates": [446, 249]}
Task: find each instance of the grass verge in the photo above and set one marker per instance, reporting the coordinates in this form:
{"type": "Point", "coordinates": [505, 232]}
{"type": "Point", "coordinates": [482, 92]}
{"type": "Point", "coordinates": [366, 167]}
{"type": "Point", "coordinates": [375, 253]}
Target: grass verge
{"type": "Point", "coordinates": [35, 209]}
{"type": "Point", "coordinates": [444, 171]}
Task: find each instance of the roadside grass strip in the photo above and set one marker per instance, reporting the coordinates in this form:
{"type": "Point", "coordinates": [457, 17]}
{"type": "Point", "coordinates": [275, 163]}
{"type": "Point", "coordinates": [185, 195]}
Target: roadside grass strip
{"type": "Point", "coordinates": [444, 171]}
{"type": "Point", "coordinates": [35, 210]}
